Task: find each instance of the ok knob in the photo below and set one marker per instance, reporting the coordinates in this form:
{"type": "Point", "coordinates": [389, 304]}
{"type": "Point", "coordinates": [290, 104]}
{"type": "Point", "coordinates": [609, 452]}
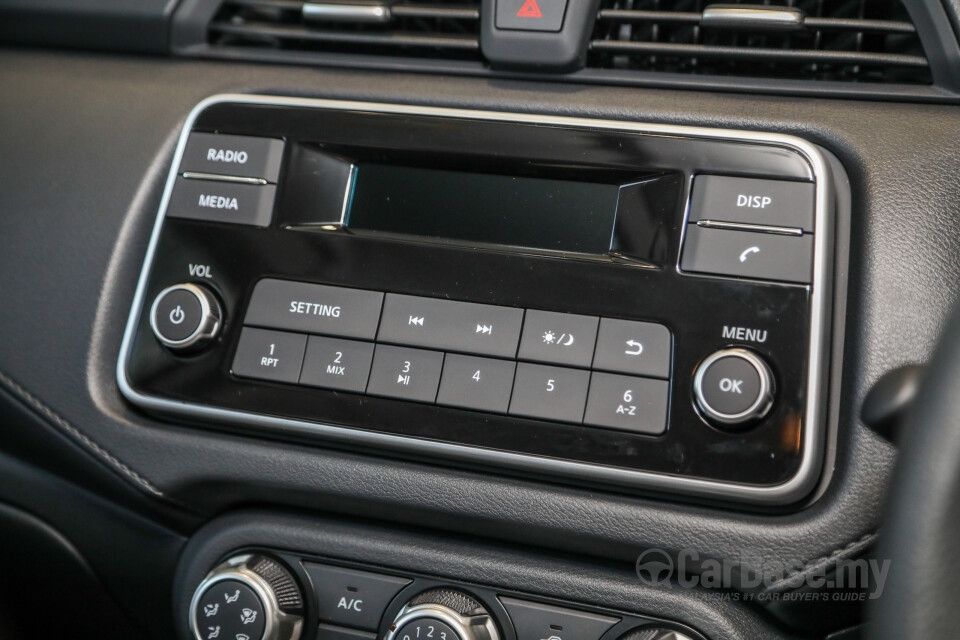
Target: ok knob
{"type": "Point", "coordinates": [248, 597]}
{"type": "Point", "coordinates": [443, 614]}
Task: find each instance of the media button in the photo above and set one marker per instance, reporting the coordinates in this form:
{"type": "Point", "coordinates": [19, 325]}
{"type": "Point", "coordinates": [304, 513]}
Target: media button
{"type": "Point", "coordinates": [408, 374]}
{"type": "Point", "coordinates": [562, 338]}
{"type": "Point", "coordinates": [214, 201]}
{"type": "Point", "coordinates": [476, 383]}
{"type": "Point", "coordinates": [333, 363]}
{"type": "Point", "coordinates": [315, 308]}
{"type": "Point", "coordinates": [550, 393]}
{"type": "Point", "coordinates": [269, 355]}
{"type": "Point", "coordinates": [639, 348]}
{"type": "Point", "coordinates": [451, 326]}
{"type": "Point", "coordinates": [631, 404]}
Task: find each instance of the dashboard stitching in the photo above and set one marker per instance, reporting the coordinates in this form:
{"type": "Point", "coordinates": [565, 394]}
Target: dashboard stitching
{"type": "Point", "coordinates": [56, 419]}
{"type": "Point", "coordinates": [848, 549]}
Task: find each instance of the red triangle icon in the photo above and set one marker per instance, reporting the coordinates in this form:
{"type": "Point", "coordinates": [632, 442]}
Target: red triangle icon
{"type": "Point", "coordinates": [530, 9]}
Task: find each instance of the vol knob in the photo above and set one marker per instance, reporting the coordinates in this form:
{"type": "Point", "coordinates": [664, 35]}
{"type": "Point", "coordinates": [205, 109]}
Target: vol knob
{"type": "Point", "coordinates": [250, 596]}
{"type": "Point", "coordinates": [185, 317]}
{"type": "Point", "coordinates": [443, 614]}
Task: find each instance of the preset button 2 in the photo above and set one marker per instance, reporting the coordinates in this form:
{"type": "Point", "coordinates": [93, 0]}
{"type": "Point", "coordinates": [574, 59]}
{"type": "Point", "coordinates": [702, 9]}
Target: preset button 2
{"type": "Point", "coordinates": [334, 363]}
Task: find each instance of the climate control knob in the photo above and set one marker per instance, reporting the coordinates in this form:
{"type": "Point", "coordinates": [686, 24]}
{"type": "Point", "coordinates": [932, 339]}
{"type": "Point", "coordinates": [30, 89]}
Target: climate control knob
{"type": "Point", "coordinates": [248, 597]}
{"type": "Point", "coordinates": [734, 388]}
{"type": "Point", "coordinates": [443, 614]}
{"type": "Point", "coordinates": [185, 317]}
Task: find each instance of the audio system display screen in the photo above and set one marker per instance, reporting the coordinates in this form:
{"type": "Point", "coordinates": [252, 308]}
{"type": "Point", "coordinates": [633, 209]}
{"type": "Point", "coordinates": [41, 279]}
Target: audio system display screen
{"type": "Point", "coordinates": [486, 209]}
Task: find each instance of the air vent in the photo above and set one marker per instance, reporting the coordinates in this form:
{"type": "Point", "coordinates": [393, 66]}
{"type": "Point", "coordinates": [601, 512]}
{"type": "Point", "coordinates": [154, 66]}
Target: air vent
{"type": "Point", "coordinates": [426, 28]}
{"type": "Point", "coordinates": [839, 40]}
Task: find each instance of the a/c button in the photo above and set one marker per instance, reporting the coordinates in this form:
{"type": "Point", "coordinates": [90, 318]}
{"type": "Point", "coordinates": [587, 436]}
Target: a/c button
{"type": "Point", "coordinates": [353, 598]}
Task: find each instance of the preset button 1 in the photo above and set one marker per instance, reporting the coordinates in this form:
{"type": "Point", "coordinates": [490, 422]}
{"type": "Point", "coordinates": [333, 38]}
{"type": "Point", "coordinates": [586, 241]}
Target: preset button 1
{"type": "Point", "coordinates": [269, 355]}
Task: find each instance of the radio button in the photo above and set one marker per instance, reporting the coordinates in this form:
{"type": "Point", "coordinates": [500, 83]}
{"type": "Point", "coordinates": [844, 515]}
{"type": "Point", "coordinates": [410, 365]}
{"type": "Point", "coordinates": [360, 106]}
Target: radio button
{"type": "Point", "coordinates": [408, 374]}
{"type": "Point", "coordinates": [561, 338]}
{"type": "Point", "coordinates": [315, 308]}
{"type": "Point", "coordinates": [213, 201]}
{"type": "Point", "coordinates": [269, 355]}
{"type": "Point", "coordinates": [631, 404]}
{"type": "Point", "coordinates": [639, 348]}
{"type": "Point", "coordinates": [776, 203]}
{"type": "Point", "coordinates": [760, 256]}
{"type": "Point", "coordinates": [550, 393]}
{"type": "Point", "coordinates": [476, 383]}
{"type": "Point", "coordinates": [333, 363]}
{"type": "Point", "coordinates": [451, 326]}
{"type": "Point", "coordinates": [242, 156]}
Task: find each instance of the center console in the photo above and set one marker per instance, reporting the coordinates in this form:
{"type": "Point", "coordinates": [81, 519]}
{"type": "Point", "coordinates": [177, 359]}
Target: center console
{"type": "Point", "coordinates": [643, 307]}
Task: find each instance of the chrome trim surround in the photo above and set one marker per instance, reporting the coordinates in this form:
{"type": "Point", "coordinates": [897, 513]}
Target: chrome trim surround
{"type": "Point", "coordinates": [216, 177]}
{"type": "Point", "coordinates": [346, 12]}
{"type": "Point", "coordinates": [756, 17]}
{"type": "Point", "coordinates": [746, 226]}
{"type": "Point", "coordinates": [757, 409]}
{"type": "Point", "coordinates": [814, 432]}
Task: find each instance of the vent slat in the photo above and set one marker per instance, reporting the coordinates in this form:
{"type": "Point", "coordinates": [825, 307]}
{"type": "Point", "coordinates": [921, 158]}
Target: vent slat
{"type": "Point", "coordinates": [839, 40]}
{"type": "Point", "coordinates": [760, 54]}
{"type": "Point", "coordinates": [373, 38]}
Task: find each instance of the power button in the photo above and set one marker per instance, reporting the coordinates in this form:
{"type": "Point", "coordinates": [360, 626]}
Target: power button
{"type": "Point", "coordinates": [733, 388]}
{"type": "Point", "coordinates": [185, 317]}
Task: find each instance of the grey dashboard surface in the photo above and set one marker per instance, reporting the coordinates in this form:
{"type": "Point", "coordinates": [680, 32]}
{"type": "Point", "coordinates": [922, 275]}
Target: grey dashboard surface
{"type": "Point", "coordinates": [86, 144]}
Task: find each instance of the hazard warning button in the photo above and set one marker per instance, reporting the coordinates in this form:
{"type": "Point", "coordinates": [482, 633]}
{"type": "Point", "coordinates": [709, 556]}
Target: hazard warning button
{"type": "Point", "coordinates": [531, 15]}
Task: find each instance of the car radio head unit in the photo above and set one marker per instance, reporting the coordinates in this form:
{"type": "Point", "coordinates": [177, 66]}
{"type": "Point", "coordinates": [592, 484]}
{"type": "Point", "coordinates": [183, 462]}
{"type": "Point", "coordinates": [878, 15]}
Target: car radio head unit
{"type": "Point", "coordinates": [639, 306]}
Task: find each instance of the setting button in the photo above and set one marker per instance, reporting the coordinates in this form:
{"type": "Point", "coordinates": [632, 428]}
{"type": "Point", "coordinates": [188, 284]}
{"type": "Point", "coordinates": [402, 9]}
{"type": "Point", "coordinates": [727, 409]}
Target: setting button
{"type": "Point", "coordinates": [561, 338]}
{"type": "Point", "coordinates": [352, 598]}
{"type": "Point", "coordinates": [315, 308]}
{"type": "Point", "coordinates": [213, 201]}
{"type": "Point", "coordinates": [339, 364]}
{"type": "Point", "coordinates": [630, 404]}
{"type": "Point", "coordinates": [229, 609]}
{"type": "Point", "coordinates": [777, 203]}
{"type": "Point", "coordinates": [408, 374]}
{"type": "Point", "coordinates": [185, 316]}
{"type": "Point", "coordinates": [476, 383]}
{"type": "Point", "coordinates": [733, 387]}
{"type": "Point", "coordinates": [638, 348]}
{"type": "Point", "coordinates": [242, 156]}
{"type": "Point", "coordinates": [269, 355]}
{"type": "Point", "coordinates": [451, 326]}
{"type": "Point", "coordinates": [549, 393]}
{"type": "Point", "coordinates": [760, 256]}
